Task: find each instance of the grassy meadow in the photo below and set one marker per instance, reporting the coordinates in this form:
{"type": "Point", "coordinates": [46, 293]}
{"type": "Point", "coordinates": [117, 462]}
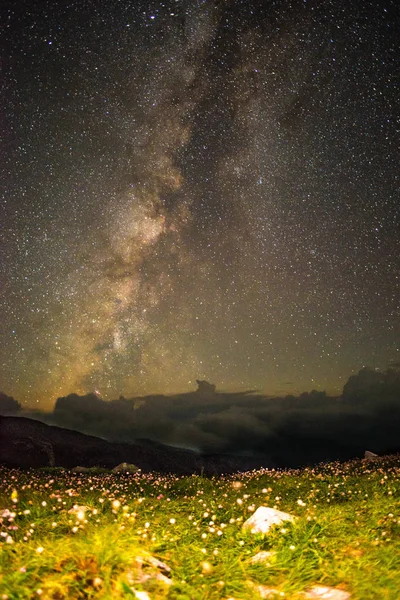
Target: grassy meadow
{"type": "Point", "coordinates": [98, 535]}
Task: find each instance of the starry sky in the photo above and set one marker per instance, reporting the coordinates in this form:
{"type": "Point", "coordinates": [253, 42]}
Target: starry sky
{"type": "Point", "coordinates": [197, 189]}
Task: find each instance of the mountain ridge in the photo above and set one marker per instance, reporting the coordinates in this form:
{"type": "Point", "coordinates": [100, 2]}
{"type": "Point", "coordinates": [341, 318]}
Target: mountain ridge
{"type": "Point", "coordinates": [27, 443]}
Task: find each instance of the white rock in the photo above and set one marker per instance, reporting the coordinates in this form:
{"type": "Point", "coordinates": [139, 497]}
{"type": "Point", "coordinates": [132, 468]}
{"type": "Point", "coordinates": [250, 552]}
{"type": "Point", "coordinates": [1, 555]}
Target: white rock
{"type": "Point", "coordinates": [264, 518]}
{"type": "Point", "coordinates": [265, 592]}
{"type": "Point", "coordinates": [141, 595]}
{"type": "Point", "coordinates": [164, 579]}
{"type": "Point", "coordinates": [327, 593]}
{"type": "Point", "coordinates": [263, 556]}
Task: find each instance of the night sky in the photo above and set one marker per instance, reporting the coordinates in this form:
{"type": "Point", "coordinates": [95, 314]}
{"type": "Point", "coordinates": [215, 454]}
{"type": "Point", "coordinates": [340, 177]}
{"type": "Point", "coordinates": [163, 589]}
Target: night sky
{"type": "Point", "coordinates": [197, 189]}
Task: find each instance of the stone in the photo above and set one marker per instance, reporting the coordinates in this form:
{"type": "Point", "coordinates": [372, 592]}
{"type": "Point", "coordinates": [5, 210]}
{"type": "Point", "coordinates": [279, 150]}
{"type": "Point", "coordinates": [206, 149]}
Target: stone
{"type": "Point", "coordinates": [263, 591]}
{"type": "Point", "coordinates": [154, 562]}
{"type": "Point", "coordinates": [368, 455]}
{"type": "Point", "coordinates": [148, 569]}
{"type": "Point", "coordinates": [264, 518]}
{"type": "Point", "coordinates": [141, 595]}
{"type": "Point", "coordinates": [79, 469]}
{"type": "Point", "coordinates": [125, 468]}
{"type": "Point", "coordinates": [262, 557]}
{"type": "Point", "coordinates": [326, 593]}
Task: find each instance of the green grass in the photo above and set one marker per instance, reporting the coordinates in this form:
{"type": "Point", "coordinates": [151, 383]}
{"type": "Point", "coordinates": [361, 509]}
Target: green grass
{"type": "Point", "coordinates": [347, 535]}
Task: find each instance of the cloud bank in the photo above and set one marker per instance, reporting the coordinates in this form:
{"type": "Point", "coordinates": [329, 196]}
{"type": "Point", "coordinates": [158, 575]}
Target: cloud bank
{"type": "Point", "coordinates": [290, 430]}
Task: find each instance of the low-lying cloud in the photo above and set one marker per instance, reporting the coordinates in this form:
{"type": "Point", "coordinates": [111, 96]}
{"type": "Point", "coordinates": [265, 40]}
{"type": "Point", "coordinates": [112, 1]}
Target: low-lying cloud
{"type": "Point", "coordinates": [290, 430]}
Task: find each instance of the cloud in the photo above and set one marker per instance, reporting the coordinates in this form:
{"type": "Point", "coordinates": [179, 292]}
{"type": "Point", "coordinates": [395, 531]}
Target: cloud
{"type": "Point", "coordinates": [290, 430]}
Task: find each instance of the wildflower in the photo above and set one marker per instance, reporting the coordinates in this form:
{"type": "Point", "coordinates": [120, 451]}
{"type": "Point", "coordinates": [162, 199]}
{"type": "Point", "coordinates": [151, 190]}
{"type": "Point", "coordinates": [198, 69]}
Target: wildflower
{"type": "Point", "coordinates": [39, 550]}
{"type": "Point", "coordinates": [172, 521]}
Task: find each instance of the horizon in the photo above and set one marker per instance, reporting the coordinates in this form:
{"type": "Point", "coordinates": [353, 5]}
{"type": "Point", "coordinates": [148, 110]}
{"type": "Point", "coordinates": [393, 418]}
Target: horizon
{"type": "Point", "coordinates": [282, 393]}
{"type": "Point", "coordinates": [366, 414]}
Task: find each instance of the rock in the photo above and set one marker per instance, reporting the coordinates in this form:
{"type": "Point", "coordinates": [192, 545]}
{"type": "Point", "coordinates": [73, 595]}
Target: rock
{"type": "Point", "coordinates": [370, 455]}
{"type": "Point", "coordinates": [143, 561]}
{"type": "Point", "coordinates": [264, 557]}
{"type": "Point", "coordinates": [263, 591]}
{"type": "Point", "coordinates": [326, 593]}
{"type": "Point", "coordinates": [125, 468]}
{"type": "Point", "coordinates": [264, 518]}
{"type": "Point", "coordinates": [148, 569]}
{"type": "Point", "coordinates": [154, 562]}
{"type": "Point", "coordinates": [317, 591]}
{"type": "Point", "coordinates": [81, 470]}
{"type": "Point", "coordinates": [141, 595]}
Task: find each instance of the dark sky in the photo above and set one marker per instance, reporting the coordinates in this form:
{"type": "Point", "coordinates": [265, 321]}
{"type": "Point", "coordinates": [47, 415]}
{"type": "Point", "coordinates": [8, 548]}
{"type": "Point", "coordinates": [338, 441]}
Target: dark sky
{"type": "Point", "coordinates": [198, 189]}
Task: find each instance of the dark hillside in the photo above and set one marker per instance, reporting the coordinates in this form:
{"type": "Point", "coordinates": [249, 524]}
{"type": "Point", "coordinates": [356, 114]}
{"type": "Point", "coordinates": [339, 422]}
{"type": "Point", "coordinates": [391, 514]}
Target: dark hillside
{"type": "Point", "coordinates": [28, 443]}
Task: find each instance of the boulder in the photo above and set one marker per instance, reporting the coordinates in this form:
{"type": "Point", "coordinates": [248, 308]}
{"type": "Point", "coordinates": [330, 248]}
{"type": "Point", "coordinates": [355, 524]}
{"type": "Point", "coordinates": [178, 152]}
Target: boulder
{"type": "Point", "coordinates": [125, 468]}
{"type": "Point", "coordinates": [264, 518]}
{"type": "Point", "coordinates": [368, 455]}
{"type": "Point", "coordinates": [81, 470]}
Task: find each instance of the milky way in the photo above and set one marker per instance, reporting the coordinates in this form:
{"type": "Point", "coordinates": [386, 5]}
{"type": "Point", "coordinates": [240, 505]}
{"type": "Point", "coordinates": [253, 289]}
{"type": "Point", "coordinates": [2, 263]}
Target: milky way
{"type": "Point", "coordinates": [200, 189]}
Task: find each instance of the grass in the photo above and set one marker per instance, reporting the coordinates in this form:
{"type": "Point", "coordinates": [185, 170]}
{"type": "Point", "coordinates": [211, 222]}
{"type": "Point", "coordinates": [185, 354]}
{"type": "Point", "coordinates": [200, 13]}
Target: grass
{"type": "Point", "coordinates": [347, 535]}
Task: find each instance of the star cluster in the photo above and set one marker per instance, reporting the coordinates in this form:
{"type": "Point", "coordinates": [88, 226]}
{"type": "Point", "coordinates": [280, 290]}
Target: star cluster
{"type": "Point", "coordinates": [198, 189]}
